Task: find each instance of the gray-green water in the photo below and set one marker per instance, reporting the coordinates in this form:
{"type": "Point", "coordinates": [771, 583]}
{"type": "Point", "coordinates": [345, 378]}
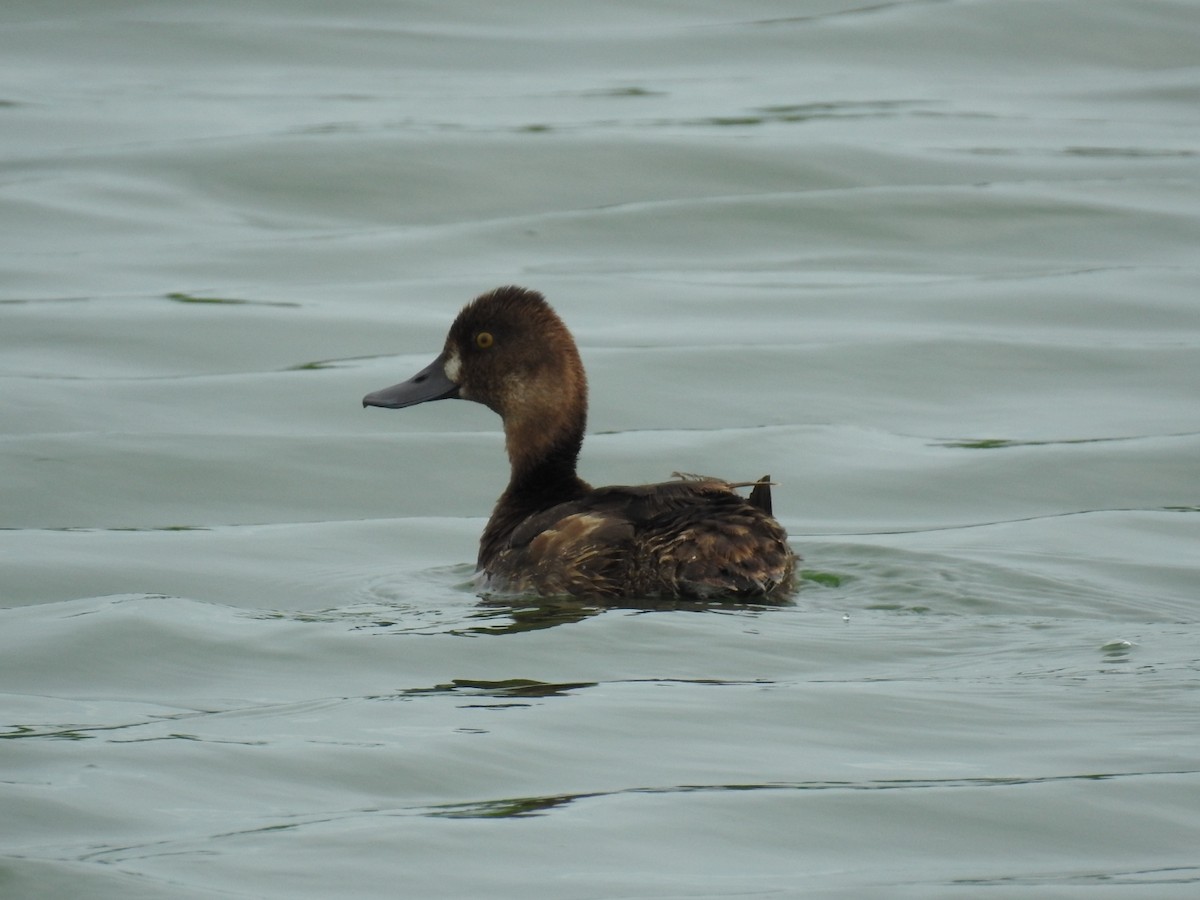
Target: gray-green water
{"type": "Point", "coordinates": [933, 265]}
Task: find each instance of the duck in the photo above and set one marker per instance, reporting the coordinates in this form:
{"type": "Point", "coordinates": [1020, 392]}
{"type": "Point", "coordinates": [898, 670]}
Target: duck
{"type": "Point", "coordinates": [551, 534]}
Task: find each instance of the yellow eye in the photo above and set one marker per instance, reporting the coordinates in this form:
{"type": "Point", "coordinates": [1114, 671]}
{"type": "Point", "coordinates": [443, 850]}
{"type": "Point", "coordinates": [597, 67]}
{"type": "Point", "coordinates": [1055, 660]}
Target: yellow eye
{"type": "Point", "coordinates": [484, 339]}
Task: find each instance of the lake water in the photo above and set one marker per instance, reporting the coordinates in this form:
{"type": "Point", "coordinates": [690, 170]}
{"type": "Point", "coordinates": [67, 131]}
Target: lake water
{"type": "Point", "coordinates": [931, 265]}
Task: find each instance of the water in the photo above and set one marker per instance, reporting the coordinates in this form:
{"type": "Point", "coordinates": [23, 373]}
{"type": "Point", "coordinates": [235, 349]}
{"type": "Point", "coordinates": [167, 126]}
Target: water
{"type": "Point", "coordinates": [931, 265]}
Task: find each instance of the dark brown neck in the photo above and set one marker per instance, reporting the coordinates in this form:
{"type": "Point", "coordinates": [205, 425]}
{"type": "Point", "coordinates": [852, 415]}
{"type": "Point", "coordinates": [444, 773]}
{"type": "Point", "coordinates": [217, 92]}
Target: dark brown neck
{"type": "Point", "coordinates": [537, 483]}
{"type": "Point", "coordinates": [543, 436]}
{"type": "Point", "coordinates": [548, 478]}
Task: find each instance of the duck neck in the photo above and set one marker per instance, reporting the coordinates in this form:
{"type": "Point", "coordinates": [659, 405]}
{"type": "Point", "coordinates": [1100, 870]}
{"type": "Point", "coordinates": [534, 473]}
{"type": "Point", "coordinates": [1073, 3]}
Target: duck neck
{"type": "Point", "coordinates": [543, 455]}
{"type": "Point", "coordinates": [543, 475]}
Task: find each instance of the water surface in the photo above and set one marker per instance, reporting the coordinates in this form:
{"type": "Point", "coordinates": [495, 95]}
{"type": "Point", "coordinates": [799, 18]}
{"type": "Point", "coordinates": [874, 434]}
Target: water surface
{"type": "Point", "coordinates": [930, 264]}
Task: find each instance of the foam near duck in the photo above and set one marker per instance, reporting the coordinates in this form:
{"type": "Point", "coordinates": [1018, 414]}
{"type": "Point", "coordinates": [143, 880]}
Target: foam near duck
{"type": "Point", "coordinates": [553, 534]}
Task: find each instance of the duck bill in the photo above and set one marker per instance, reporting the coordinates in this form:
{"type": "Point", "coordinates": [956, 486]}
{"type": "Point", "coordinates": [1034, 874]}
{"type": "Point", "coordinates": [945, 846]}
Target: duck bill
{"type": "Point", "coordinates": [430, 383]}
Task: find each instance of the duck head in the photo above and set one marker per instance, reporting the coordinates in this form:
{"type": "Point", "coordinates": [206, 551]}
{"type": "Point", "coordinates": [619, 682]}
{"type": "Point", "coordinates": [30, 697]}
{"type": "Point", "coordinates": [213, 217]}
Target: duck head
{"type": "Point", "coordinates": [508, 350]}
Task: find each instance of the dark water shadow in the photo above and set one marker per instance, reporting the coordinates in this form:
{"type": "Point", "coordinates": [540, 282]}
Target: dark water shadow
{"type": "Point", "coordinates": [520, 615]}
{"type": "Point", "coordinates": [523, 807]}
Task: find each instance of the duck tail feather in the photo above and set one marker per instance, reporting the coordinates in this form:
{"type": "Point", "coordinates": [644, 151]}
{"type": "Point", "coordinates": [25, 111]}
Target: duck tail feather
{"type": "Point", "coordinates": [761, 495]}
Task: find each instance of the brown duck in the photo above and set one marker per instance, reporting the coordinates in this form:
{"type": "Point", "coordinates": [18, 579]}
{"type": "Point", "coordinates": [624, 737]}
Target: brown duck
{"type": "Point", "coordinates": [551, 533]}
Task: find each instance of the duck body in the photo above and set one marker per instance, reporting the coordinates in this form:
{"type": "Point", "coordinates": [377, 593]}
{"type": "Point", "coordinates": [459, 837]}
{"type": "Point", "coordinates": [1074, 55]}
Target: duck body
{"type": "Point", "coordinates": [551, 533]}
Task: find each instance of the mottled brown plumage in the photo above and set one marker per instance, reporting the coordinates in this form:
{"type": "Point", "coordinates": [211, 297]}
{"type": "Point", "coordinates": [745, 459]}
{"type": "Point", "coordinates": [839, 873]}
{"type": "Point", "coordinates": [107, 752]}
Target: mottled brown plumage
{"type": "Point", "coordinates": [551, 533]}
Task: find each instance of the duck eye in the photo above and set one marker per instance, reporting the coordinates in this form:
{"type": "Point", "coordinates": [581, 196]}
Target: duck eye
{"type": "Point", "coordinates": [484, 339]}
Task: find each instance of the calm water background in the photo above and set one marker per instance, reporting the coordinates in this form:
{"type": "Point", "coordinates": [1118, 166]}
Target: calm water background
{"type": "Point", "coordinates": [933, 265]}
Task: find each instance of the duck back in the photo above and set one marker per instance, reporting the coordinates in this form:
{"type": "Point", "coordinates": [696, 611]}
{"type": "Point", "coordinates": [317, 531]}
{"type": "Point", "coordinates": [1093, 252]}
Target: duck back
{"type": "Point", "coordinates": [695, 539]}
